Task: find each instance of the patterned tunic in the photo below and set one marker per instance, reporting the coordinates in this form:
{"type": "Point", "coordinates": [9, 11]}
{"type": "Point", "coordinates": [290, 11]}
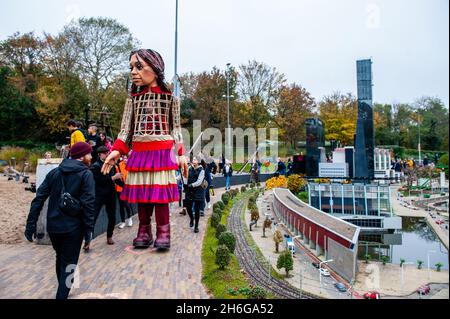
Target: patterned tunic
{"type": "Point", "coordinates": [151, 129]}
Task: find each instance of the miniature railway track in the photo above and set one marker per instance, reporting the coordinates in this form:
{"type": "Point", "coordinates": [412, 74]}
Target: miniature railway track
{"type": "Point", "coordinates": [258, 273]}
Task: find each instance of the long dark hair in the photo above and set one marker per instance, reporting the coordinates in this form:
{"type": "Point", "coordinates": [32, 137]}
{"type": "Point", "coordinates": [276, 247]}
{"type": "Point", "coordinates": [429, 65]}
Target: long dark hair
{"type": "Point", "coordinates": [155, 61]}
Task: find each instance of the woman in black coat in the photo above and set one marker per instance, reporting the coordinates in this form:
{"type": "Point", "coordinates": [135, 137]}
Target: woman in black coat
{"type": "Point", "coordinates": [195, 194]}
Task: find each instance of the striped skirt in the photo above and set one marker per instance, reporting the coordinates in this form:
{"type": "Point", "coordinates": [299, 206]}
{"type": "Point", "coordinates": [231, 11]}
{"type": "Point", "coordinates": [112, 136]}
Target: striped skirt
{"type": "Point", "coordinates": [151, 177]}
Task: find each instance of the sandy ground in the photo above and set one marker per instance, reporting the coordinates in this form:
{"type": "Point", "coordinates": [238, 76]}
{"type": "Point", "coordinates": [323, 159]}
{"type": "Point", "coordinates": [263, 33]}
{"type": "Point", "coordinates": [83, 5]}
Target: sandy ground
{"type": "Point", "coordinates": [14, 207]}
{"type": "Point", "coordinates": [387, 279]}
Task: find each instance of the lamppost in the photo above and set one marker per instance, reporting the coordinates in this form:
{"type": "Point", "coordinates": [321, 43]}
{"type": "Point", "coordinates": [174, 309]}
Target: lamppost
{"type": "Point", "coordinates": [419, 146]}
{"type": "Point", "coordinates": [228, 96]}
{"type": "Point", "coordinates": [405, 263]}
{"type": "Point", "coordinates": [428, 259]}
{"type": "Point", "coordinates": [320, 273]}
{"type": "Point", "coordinates": [175, 78]}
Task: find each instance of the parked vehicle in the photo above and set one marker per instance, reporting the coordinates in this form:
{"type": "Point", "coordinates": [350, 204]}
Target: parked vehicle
{"type": "Point", "coordinates": [424, 290]}
{"type": "Point", "coordinates": [372, 295]}
{"type": "Point", "coordinates": [316, 265]}
{"type": "Point", "coordinates": [324, 272]}
{"type": "Point", "coordinates": [340, 286]}
{"type": "Point", "coordinates": [290, 245]}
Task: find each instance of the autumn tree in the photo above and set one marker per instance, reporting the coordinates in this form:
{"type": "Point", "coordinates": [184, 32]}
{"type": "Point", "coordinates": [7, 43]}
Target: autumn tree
{"type": "Point", "coordinates": [22, 53]}
{"type": "Point", "coordinates": [104, 47]}
{"type": "Point", "coordinates": [277, 238]}
{"type": "Point", "coordinates": [293, 107]}
{"type": "Point", "coordinates": [339, 113]}
{"type": "Point", "coordinates": [258, 87]}
{"type": "Point", "coordinates": [60, 55]}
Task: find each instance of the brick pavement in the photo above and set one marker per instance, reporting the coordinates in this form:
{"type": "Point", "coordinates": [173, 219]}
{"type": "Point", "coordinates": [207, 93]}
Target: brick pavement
{"type": "Point", "coordinates": [113, 272]}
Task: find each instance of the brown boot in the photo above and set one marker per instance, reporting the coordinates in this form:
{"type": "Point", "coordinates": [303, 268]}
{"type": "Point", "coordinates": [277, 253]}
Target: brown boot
{"type": "Point", "coordinates": [163, 237]}
{"type": "Point", "coordinates": [144, 237]}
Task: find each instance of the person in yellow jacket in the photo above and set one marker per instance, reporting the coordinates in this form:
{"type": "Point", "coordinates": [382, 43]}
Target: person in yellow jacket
{"type": "Point", "coordinates": [76, 134]}
{"type": "Point", "coordinates": [125, 208]}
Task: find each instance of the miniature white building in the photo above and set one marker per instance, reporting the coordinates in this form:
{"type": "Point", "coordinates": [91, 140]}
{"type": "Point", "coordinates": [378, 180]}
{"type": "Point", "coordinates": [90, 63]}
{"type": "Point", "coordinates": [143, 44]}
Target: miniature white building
{"type": "Point", "coordinates": [382, 163]}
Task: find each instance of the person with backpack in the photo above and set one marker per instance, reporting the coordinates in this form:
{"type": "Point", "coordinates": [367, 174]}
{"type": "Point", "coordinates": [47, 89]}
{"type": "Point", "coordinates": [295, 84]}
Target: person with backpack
{"type": "Point", "coordinates": [70, 189]}
{"type": "Point", "coordinates": [105, 195]}
{"type": "Point", "coordinates": [83, 131]}
{"type": "Point", "coordinates": [208, 179]}
{"type": "Point", "coordinates": [227, 173]}
{"type": "Point", "coordinates": [76, 135]}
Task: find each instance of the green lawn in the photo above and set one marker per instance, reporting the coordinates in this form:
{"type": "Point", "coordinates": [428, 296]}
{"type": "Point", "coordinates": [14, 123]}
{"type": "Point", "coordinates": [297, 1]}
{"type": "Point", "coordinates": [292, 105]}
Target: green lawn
{"type": "Point", "coordinates": [219, 281]}
{"type": "Point", "coordinates": [238, 166]}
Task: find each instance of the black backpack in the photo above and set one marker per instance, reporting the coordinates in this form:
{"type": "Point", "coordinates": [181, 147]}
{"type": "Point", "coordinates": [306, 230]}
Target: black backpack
{"type": "Point", "coordinates": [68, 204]}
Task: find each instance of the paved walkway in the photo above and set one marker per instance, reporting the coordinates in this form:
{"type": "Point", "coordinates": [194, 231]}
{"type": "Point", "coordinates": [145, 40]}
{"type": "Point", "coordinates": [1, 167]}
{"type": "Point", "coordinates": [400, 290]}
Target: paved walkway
{"type": "Point", "coordinates": [27, 270]}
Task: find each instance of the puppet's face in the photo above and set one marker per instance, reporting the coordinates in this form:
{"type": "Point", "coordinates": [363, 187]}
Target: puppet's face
{"type": "Point", "coordinates": [141, 73]}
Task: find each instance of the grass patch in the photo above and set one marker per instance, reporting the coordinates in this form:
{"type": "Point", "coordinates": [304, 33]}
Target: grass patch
{"type": "Point", "coordinates": [238, 166]}
{"type": "Point", "coordinates": [219, 281]}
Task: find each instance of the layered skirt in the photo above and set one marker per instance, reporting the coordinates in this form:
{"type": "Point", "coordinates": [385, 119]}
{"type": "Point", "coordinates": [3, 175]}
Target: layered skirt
{"type": "Point", "coordinates": [151, 175]}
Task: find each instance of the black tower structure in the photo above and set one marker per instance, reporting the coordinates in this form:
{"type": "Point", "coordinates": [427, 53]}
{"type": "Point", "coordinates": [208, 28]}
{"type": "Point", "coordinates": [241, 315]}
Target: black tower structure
{"type": "Point", "coordinates": [364, 144]}
{"type": "Point", "coordinates": [315, 138]}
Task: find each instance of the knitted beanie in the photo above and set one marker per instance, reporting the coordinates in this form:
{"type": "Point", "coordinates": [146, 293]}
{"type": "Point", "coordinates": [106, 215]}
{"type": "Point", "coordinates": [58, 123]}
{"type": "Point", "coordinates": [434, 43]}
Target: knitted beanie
{"type": "Point", "coordinates": [78, 150]}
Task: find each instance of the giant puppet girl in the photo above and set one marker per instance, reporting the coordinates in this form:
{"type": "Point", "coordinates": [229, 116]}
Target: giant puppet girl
{"type": "Point", "coordinates": [151, 131]}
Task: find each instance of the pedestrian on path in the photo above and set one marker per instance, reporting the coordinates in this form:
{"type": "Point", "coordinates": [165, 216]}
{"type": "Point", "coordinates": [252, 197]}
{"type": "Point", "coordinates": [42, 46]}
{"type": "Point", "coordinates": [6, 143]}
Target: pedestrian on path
{"type": "Point", "coordinates": [126, 212]}
{"type": "Point", "coordinates": [195, 193]}
{"type": "Point", "coordinates": [105, 195]}
{"type": "Point", "coordinates": [66, 226]}
{"type": "Point", "coordinates": [208, 179]}
{"type": "Point", "coordinates": [254, 172]}
{"type": "Point", "coordinates": [94, 140]}
{"type": "Point", "coordinates": [227, 172]}
{"type": "Point", "coordinates": [76, 135]}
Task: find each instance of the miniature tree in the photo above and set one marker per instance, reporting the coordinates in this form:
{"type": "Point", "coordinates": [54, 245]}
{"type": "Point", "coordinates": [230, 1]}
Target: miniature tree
{"type": "Point", "coordinates": [223, 256]}
{"type": "Point", "coordinates": [267, 224]}
{"type": "Point", "coordinates": [226, 198]}
{"type": "Point", "coordinates": [255, 216]}
{"type": "Point", "coordinates": [228, 239]}
{"type": "Point", "coordinates": [367, 258]}
{"type": "Point", "coordinates": [439, 266]}
{"type": "Point", "coordinates": [218, 211]}
{"type": "Point", "coordinates": [296, 183]}
{"type": "Point", "coordinates": [257, 293]}
{"type": "Point", "coordinates": [221, 228]}
{"type": "Point", "coordinates": [384, 260]}
{"type": "Point", "coordinates": [215, 220]}
{"type": "Point", "coordinates": [221, 205]}
{"type": "Point", "coordinates": [217, 205]}
{"type": "Point", "coordinates": [419, 264]}
{"type": "Point", "coordinates": [285, 261]}
{"type": "Point", "coordinates": [277, 238]}
{"type": "Point", "coordinates": [402, 261]}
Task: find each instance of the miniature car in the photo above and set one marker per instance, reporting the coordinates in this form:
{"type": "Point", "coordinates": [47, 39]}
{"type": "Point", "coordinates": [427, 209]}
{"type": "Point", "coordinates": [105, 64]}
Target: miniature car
{"type": "Point", "coordinates": [372, 295]}
{"type": "Point", "coordinates": [316, 265]}
{"type": "Point", "coordinates": [439, 222]}
{"type": "Point", "coordinates": [324, 272]}
{"type": "Point", "coordinates": [424, 290]}
{"type": "Point", "coordinates": [340, 286]}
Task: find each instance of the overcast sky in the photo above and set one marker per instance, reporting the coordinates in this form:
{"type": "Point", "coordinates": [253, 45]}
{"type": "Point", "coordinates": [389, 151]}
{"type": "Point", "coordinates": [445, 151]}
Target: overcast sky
{"type": "Point", "coordinates": [315, 43]}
